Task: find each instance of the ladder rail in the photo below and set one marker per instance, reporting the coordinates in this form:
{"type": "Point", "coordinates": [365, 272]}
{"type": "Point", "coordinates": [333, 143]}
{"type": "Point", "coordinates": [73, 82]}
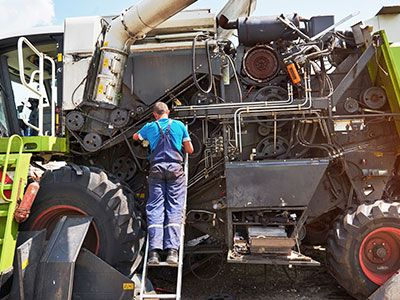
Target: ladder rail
{"type": "Point", "coordinates": [182, 237]}
{"type": "Point", "coordinates": [144, 273]}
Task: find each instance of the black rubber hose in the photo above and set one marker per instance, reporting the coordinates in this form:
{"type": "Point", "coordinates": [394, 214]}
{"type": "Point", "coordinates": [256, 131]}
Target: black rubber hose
{"type": "Point", "coordinates": [195, 80]}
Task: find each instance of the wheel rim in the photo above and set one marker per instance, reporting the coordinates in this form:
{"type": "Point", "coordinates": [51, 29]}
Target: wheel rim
{"type": "Point", "coordinates": [48, 219]}
{"type": "Point", "coordinates": [379, 254]}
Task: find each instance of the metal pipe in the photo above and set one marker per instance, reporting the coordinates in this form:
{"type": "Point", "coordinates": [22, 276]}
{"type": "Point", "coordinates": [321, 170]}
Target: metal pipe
{"type": "Point", "coordinates": [279, 108]}
{"type": "Point", "coordinates": [133, 24]}
{"type": "Point", "coordinates": [290, 100]}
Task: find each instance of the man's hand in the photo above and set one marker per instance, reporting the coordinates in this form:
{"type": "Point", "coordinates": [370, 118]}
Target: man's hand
{"type": "Point", "coordinates": [136, 137]}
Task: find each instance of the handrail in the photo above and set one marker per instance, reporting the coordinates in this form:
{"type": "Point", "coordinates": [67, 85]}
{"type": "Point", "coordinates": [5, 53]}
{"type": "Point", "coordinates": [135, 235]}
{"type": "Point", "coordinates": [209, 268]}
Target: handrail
{"type": "Point", "coordinates": [41, 92]}
{"type": "Point", "coordinates": [6, 160]}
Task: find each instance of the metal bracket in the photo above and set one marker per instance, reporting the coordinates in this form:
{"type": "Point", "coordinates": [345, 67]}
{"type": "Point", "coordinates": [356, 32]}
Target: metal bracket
{"type": "Point", "coordinates": [353, 74]}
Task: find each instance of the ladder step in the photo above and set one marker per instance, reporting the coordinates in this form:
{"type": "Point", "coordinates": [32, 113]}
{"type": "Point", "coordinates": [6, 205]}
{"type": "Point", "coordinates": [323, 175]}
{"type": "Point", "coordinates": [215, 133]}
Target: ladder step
{"type": "Point", "coordinates": [11, 161]}
{"type": "Point", "coordinates": [3, 213]}
{"type": "Point", "coordinates": [158, 296]}
{"type": "Point", "coordinates": [7, 187]}
{"type": "Point", "coordinates": [163, 264]}
{"type": "Point", "coordinates": [1, 241]}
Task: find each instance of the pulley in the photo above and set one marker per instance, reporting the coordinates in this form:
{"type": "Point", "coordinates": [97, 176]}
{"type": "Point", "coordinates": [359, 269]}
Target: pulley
{"type": "Point", "coordinates": [264, 130]}
{"type": "Point", "coordinates": [351, 105]}
{"type": "Point", "coordinates": [124, 168]}
{"type": "Point", "coordinates": [92, 142]}
{"type": "Point", "coordinates": [268, 148]}
{"type": "Point", "coordinates": [119, 118]}
{"type": "Point", "coordinates": [271, 94]}
{"type": "Point", "coordinates": [374, 97]}
{"type": "Point", "coordinates": [75, 121]}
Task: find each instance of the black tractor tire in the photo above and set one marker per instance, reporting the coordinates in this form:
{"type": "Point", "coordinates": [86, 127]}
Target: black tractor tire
{"type": "Point", "coordinates": [116, 234]}
{"type": "Point", "coordinates": [355, 266]}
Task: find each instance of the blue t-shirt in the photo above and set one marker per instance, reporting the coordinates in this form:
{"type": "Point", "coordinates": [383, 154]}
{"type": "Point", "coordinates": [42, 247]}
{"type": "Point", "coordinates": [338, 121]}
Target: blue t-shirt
{"type": "Point", "coordinates": [178, 133]}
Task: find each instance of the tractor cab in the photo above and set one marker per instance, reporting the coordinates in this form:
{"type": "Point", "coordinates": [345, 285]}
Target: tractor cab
{"type": "Point", "coordinates": [29, 96]}
{"type": "Point", "coordinates": [30, 74]}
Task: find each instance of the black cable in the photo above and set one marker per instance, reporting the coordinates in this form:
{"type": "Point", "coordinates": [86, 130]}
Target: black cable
{"type": "Point", "coordinates": [195, 80]}
{"type": "Point", "coordinates": [305, 143]}
{"type": "Point", "coordinates": [76, 89]}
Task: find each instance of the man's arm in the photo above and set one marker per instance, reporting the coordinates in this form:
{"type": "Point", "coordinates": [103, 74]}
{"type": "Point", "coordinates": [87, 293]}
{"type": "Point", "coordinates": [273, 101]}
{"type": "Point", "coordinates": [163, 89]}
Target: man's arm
{"type": "Point", "coordinates": [141, 134]}
{"type": "Point", "coordinates": [188, 147]}
{"type": "Point", "coordinates": [187, 143]}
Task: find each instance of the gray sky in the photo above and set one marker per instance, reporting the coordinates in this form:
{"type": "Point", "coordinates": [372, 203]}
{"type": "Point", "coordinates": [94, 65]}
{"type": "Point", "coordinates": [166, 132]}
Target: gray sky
{"type": "Point", "coordinates": [18, 15]}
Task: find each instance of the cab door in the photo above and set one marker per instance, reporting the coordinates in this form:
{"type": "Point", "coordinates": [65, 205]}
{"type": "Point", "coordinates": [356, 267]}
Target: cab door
{"type": "Point", "coordinates": [9, 124]}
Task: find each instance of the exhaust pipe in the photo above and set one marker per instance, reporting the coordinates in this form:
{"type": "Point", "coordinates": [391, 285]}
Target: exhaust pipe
{"type": "Point", "coordinates": [132, 25]}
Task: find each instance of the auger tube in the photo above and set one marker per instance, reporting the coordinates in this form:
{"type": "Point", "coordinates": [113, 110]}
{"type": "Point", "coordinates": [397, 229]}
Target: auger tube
{"type": "Point", "coordinates": [133, 24]}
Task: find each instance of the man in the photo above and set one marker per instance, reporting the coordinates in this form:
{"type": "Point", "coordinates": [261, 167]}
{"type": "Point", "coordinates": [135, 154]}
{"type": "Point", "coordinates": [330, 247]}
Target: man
{"type": "Point", "coordinates": [167, 185]}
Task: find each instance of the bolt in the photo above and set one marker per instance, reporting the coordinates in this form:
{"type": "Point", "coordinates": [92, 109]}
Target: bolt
{"type": "Point", "coordinates": [381, 253]}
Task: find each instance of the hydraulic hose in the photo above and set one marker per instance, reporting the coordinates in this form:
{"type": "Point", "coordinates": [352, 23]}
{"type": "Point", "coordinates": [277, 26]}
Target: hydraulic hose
{"type": "Point", "coordinates": [208, 56]}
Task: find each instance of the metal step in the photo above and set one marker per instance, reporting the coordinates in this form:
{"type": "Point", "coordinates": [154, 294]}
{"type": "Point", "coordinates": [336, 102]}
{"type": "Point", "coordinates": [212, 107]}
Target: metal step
{"type": "Point", "coordinates": [158, 296]}
{"type": "Point", "coordinates": [163, 264]}
{"type": "Point", "coordinates": [295, 258]}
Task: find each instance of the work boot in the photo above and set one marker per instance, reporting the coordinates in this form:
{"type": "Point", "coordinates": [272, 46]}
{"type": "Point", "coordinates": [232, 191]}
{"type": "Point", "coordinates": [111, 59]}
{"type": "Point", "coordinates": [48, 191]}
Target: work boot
{"type": "Point", "coordinates": [154, 257]}
{"type": "Point", "coordinates": [172, 256]}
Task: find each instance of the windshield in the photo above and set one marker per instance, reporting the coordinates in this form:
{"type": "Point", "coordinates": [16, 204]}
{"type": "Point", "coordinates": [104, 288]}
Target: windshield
{"type": "Point", "coordinates": [3, 120]}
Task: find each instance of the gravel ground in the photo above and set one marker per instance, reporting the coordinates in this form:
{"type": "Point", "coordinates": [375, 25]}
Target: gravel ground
{"type": "Point", "coordinates": [256, 282]}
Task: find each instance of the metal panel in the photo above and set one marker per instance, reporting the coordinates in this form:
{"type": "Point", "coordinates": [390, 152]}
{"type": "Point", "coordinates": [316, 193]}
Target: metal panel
{"type": "Point", "coordinates": [273, 183]}
{"type": "Point", "coordinates": [56, 270]}
{"type": "Point", "coordinates": [95, 279]}
{"type": "Point", "coordinates": [143, 69]}
{"type": "Point", "coordinates": [37, 144]}
{"type": "Point", "coordinates": [27, 257]}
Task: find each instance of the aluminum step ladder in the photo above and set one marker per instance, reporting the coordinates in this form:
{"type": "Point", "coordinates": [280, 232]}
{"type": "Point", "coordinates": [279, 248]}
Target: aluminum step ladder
{"type": "Point", "coordinates": [177, 295]}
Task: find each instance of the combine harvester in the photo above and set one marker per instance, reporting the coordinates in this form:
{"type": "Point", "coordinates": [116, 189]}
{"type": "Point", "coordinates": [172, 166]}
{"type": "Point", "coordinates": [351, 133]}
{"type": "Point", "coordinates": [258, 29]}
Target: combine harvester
{"type": "Point", "coordinates": [295, 126]}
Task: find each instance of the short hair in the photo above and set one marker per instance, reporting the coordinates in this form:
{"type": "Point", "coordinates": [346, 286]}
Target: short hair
{"type": "Point", "coordinates": [160, 108]}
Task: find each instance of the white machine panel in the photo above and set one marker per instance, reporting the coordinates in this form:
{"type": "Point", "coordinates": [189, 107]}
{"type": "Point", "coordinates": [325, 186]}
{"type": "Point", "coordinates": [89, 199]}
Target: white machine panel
{"type": "Point", "coordinates": [80, 39]}
{"type": "Point", "coordinates": [81, 34]}
{"type": "Point", "coordinates": [388, 19]}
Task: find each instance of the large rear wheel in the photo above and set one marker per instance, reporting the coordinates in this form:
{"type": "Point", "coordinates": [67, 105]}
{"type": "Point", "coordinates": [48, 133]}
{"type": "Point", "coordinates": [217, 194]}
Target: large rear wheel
{"type": "Point", "coordinates": [363, 249]}
{"type": "Point", "coordinates": [116, 234]}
